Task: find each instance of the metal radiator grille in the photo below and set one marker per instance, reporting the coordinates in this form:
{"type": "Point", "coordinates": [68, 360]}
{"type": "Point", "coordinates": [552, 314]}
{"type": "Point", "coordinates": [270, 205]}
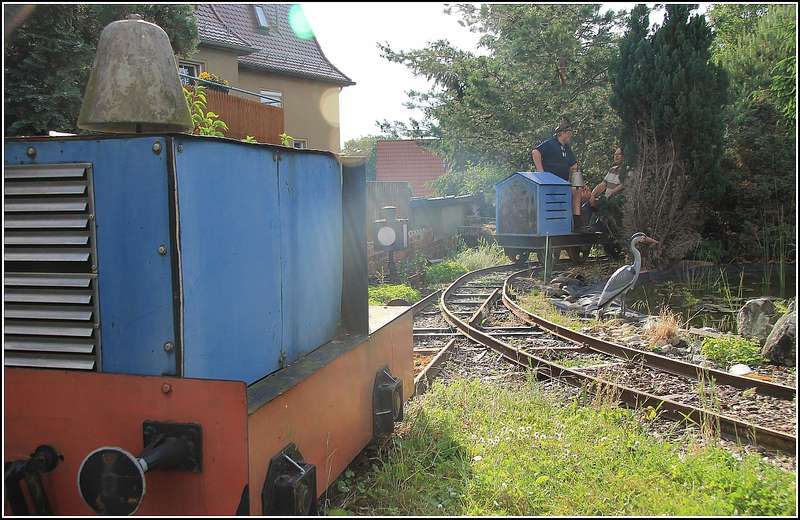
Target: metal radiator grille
{"type": "Point", "coordinates": [518, 209]}
{"type": "Point", "coordinates": [50, 282]}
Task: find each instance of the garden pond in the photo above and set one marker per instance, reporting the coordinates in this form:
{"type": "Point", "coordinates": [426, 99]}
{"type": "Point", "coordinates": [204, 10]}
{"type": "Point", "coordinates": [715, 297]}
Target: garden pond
{"type": "Point", "coordinates": [709, 295]}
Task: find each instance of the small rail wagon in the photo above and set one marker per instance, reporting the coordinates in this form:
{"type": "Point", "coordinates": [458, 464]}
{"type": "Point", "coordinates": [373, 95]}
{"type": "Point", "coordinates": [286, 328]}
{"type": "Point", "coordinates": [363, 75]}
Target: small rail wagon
{"type": "Point", "coordinates": [534, 214]}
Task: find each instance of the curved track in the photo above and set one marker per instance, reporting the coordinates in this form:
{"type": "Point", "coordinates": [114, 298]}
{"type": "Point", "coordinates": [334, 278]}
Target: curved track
{"type": "Point", "coordinates": [638, 378]}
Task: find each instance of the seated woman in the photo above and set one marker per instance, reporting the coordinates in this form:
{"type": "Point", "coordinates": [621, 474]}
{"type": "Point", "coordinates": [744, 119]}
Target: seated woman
{"type": "Point", "coordinates": [611, 183]}
{"type": "Point", "coordinates": [599, 200]}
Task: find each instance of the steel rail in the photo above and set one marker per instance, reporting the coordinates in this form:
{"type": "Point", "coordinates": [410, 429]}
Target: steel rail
{"type": "Point", "coordinates": [667, 364]}
{"type": "Point", "coordinates": [424, 379]}
{"type": "Point", "coordinates": [727, 426]}
{"type": "Point", "coordinates": [425, 302]}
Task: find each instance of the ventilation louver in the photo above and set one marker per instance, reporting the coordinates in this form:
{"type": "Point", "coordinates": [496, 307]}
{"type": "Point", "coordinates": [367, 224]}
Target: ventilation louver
{"type": "Point", "coordinates": [49, 280]}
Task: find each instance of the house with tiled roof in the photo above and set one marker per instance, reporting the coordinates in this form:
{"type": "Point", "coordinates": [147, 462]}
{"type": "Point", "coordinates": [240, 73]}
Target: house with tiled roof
{"type": "Point", "coordinates": [408, 160]}
{"type": "Point", "coordinates": [270, 49]}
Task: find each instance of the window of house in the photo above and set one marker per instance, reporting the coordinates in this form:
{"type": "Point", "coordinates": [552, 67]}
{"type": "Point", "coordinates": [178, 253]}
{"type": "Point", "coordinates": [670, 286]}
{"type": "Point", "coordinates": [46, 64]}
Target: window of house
{"type": "Point", "coordinates": [273, 98]}
{"type": "Point", "coordinates": [261, 17]}
{"type": "Point", "coordinates": [300, 144]}
{"type": "Point", "coordinates": [192, 69]}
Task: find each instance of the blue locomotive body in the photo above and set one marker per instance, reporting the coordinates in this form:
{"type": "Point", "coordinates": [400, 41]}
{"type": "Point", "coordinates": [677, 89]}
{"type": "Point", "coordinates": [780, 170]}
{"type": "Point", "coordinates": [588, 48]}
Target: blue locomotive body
{"type": "Point", "coordinates": [166, 255]}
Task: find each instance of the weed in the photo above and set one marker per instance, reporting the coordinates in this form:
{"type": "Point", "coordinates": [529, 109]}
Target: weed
{"type": "Point", "coordinates": [709, 402]}
{"type": "Point", "coordinates": [662, 328]}
{"type": "Point", "coordinates": [444, 272]}
{"type": "Point", "coordinates": [728, 350]}
{"type": "Point", "coordinates": [382, 294]}
{"type": "Point", "coordinates": [781, 307]}
{"type": "Point", "coordinates": [537, 303]}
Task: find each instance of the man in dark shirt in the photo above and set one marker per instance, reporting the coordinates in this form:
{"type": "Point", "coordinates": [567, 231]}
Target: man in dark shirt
{"type": "Point", "coordinates": [554, 155]}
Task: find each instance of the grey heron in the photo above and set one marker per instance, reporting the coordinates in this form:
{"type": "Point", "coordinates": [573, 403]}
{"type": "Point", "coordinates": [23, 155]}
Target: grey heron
{"type": "Point", "coordinates": [625, 277]}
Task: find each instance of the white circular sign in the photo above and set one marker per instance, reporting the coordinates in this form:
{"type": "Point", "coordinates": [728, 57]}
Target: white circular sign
{"type": "Point", "coordinates": [386, 236]}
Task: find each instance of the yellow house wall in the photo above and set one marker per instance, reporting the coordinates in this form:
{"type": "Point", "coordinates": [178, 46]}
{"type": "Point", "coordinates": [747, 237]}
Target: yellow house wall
{"type": "Point", "coordinates": [310, 108]}
{"type": "Point", "coordinates": [219, 62]}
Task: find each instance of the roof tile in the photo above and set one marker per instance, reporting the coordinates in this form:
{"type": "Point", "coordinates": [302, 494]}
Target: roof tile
{"type": "Point", "coordinates": [406, 160]}
{"type": "Point", "coordinates": [277, 50]}
{"type": "Point", "coordinates": [213, 32]}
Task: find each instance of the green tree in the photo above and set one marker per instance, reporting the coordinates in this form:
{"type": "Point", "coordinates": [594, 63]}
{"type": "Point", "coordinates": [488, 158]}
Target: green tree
{"type": "Point", "coordinates": [730, 22]}
{"type": "Point", "coordinates": [670, 97]}
{"type": "Point", "coordinates": [472, 179]}
{"type": "Point", "coordinates": [365, 145]}
{"type": "Point", "coordinates": [668, 81]}
{"type": "Point", "coordinates": [537, 63]}
{"type": "Point", "coordinates": [757, 46]}
{"type": "Point", "coordinates": [49, 55]}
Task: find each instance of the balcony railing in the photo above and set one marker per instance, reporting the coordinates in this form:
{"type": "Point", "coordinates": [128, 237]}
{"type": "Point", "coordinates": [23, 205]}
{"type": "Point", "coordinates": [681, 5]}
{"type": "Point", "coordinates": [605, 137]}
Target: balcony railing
{"type": "Point", "coordinates": [244, 116]}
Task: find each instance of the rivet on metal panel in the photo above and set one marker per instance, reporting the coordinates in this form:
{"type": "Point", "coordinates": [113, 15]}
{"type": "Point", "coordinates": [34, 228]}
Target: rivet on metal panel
{"type": "Point", "coordinates": [31, 151]}
{"type": "Point", "coordinates": [162, 250]}
{"type": "Point", "coordinates": [157, 147]}
{"type": "Point", "coordinates": [166, 388]}
{"type": "Point", "coordinates": [168, 346]}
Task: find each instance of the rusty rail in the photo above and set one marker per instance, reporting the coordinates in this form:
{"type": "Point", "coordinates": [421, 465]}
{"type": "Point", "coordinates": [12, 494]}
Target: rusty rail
{"type": "Point", "coordinates": [423, 380]}
{"type": "Point", "coordinates": [728, 426]}
{"type": "Point", "coordinates": [672, 366]}
{"type": "Point", "coordinates": [425, 302]}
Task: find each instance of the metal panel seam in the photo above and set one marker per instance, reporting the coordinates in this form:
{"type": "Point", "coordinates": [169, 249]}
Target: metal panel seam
{"type": "Point", "coordinates": [276, 156]}
{"type": "Point", "coordinates": [175, 237]}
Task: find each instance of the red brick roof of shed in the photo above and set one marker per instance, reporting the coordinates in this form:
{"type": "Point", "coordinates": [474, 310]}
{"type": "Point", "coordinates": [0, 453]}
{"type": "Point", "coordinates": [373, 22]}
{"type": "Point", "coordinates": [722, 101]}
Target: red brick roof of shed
{"type": "Point", "coordinates": [410, 161]}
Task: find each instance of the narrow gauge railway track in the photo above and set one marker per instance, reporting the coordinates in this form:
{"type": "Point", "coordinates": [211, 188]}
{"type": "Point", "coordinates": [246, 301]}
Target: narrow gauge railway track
{"type": "Point", "coordinates": [748, 410]}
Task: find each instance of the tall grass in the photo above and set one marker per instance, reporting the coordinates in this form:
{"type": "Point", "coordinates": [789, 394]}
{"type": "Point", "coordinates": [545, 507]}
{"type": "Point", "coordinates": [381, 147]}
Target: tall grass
{"type": "Point", "coordinates": [776, 247]}
{"type": "Point", "coordinates": [709, 402]}
{"type": "Point", "coordinates": [662, 328]}
{"type": "Point", "coordinates": [477, 448]}
{"type": "Point", "coordinates": [487, 254]}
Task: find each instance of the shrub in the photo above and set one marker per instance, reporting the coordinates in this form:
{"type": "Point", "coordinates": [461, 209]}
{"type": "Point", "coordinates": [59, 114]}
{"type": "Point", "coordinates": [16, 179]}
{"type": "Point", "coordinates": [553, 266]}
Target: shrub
{"type": "Point", "coordinates": [445, 272]}
{"type": "Point", "coordinates": [382, 294]}
{"type": "Point", "coordinates": [729, 350]}
{"type": "Point", "coordinates": [205, 122]}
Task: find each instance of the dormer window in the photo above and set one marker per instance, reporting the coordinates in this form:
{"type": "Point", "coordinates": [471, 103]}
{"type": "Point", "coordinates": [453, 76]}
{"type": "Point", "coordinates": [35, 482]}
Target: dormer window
{"type": "Point", "coordinates": [261, 17]}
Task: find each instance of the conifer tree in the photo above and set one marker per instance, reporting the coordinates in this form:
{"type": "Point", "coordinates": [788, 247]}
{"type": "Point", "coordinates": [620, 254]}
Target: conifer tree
{"type": "Point", "coordinates": [667, 81]}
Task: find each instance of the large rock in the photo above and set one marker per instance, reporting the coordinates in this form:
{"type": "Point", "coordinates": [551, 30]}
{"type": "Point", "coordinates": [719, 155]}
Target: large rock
{"type": "Point", "coordinates": [781, 344]}
{"type": "Point", "coordinates": [753, 318]}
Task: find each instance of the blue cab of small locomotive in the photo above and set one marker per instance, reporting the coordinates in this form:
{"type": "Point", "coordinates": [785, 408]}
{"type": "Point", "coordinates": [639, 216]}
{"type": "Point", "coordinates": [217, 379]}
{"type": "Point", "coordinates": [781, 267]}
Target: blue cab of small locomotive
{"type": "Point", "coordinates": [533, 204]}
{"type": "Point", "coordinates": [215, 259]}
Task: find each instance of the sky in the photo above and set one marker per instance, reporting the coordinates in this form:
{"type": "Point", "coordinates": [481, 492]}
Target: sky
{"type": "Point", "coordinates": [348, 34]}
